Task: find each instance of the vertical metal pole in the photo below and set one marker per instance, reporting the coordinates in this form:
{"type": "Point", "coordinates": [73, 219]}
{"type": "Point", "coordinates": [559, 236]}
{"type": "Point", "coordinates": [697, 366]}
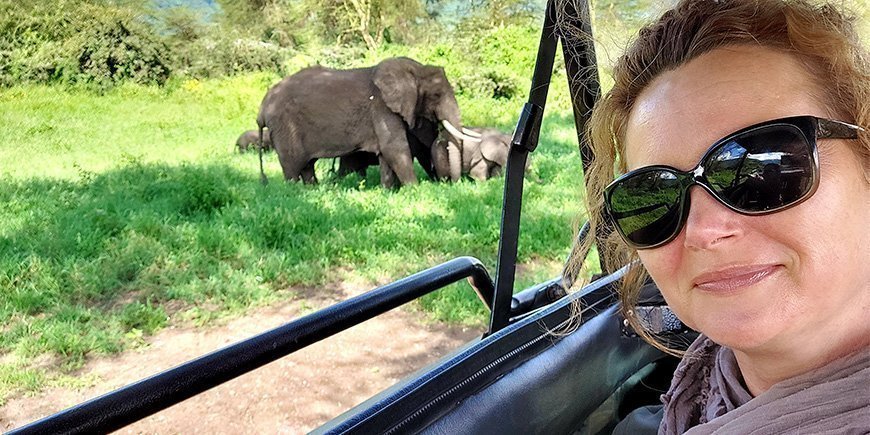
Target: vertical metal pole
{"type": "Point", "coordinates": [524, 141]}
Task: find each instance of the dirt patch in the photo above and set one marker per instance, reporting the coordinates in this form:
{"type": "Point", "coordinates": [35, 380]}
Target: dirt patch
{"type": "Point", "coordinates": [292, 395]}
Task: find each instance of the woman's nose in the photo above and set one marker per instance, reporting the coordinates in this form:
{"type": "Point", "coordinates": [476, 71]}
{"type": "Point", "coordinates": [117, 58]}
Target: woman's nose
{"type": "Point", "coordinates": [710, 224]}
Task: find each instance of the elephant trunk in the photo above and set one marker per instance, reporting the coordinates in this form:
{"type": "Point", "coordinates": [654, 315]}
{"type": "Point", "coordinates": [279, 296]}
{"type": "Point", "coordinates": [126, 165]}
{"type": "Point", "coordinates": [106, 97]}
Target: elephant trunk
{"type": "Point", "coordinates": [454, 154]}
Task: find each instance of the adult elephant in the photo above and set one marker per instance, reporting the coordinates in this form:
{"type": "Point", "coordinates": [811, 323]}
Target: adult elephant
{"type": "Point", "coordinates": [321, 112]}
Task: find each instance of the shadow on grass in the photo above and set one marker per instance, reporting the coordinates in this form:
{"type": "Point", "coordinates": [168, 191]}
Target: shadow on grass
{"type": "Point", "coordinates": [90, 265]}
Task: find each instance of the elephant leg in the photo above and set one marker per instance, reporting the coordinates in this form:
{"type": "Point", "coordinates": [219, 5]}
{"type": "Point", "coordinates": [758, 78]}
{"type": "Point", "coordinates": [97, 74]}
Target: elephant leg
{"type": "Point", "coordinates": [480, 171]}
{"type": "Point", "coordinates": [356, 162]}
{"type": "Point", "coordinates": [368, 159]}
{"type": "Point", "coordinates": [402, 165]}
{"type": "Point", "coordinates": [423, 155]}
{"type": "Point", "coordinates": [388, 177]}
{"type": "Point", "coordinates": [308, 176]}
{"type": "Point", "coordinates": [292, 166]}
{"type": "Point", "coordinates": [395, 150]}
{"type": "Point", "coordinates": [345, 165]}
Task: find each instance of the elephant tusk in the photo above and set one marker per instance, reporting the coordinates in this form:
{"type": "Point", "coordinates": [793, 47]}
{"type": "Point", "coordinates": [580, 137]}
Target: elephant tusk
{"type": "Point", "coordinates": [451, 129]}
{"type": "Point", "coordinates": [456, 133]}
{"type": "Point", "coordinates": [470, 132]}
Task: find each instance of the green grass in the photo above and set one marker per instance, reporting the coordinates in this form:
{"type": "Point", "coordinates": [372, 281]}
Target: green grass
{"type": "Point", "coordinates": [125, 212]}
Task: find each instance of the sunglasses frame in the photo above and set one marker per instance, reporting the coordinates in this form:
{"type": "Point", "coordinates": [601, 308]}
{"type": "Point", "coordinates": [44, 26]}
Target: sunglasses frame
{"type": "Point", "coordinates": [811, 127]}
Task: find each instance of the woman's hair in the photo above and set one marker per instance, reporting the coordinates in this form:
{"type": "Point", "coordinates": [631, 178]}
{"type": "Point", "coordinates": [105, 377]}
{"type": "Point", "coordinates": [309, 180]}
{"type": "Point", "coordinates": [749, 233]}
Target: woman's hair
{"type": "Point", "coordinates": [822, 37]}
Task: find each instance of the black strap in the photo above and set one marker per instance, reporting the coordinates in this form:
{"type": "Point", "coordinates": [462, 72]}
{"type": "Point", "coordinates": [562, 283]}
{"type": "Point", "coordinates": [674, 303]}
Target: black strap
{"type": "Point", "coordinates": [525, 140]}
{"type": "Point", "coordinates": [578, 49]}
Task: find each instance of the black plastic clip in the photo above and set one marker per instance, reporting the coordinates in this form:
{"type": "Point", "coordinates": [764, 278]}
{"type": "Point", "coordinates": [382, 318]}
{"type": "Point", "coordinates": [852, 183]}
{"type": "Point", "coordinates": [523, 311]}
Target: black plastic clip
{"type": "Point", "coordinates": [528, 128]}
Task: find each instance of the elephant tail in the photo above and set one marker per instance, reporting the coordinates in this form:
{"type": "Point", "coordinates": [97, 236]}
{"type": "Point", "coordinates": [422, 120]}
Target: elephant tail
{"type": "Point", "coordinates": [263, 178]}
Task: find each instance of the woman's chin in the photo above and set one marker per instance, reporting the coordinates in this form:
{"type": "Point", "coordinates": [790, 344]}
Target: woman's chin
{"type": "Point", "coordinates": [746, 317]}
{"type": "Point", "coordinates": [739, 328]}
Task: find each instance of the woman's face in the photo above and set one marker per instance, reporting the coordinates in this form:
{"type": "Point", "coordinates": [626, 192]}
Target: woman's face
{"type": "Point", "coordinates": [764, 283]}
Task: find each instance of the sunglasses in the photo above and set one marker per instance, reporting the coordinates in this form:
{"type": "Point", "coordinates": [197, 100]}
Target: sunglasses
{"type": "Point", "coordinates": [761, 169]}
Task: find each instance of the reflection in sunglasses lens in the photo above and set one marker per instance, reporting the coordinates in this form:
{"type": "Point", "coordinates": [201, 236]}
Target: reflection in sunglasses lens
{"type": "Point", "coordinates": [646, 206]}
{"type": "Point", "coordinates": [761, 170]}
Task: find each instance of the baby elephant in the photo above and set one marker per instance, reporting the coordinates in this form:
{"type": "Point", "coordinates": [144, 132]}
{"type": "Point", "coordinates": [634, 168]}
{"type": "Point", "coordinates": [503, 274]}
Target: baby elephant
{"type": "Point", "coordinates": [250, 138]}
{"type": "Point", "coordinates": [486, 158]}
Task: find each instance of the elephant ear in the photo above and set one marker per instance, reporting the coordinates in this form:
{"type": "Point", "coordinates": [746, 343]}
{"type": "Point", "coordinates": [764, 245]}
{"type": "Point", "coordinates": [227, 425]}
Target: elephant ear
{"type": "Point", "coordinates": [494, 150]}
{"type": "Point", "coordinates": [396, 80]}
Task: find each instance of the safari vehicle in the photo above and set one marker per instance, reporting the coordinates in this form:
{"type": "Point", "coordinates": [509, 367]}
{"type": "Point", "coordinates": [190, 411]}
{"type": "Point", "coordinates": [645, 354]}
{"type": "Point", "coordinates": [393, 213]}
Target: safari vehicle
{"type": "Point", "coordinates": [526, 374]}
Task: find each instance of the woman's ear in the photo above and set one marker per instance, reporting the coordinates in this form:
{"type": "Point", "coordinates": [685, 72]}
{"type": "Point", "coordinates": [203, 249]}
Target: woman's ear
{"type": "Point", "coordinates": [397, 81]}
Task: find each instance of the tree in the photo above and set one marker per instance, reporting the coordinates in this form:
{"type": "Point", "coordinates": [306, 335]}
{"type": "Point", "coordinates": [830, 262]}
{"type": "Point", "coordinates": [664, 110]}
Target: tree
{"type": "Point", "coordinates": [491, 13]}
{"type": "Point", "coordinates": [242, 14]}
{"type": "Point", "coordinates": [183, 24]}
{"type": "Point", "coordinates": [370, 20]}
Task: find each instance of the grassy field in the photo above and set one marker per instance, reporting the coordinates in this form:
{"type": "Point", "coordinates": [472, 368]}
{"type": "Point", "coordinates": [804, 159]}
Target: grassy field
{"type": "Point", "coordinates": [129, 211]}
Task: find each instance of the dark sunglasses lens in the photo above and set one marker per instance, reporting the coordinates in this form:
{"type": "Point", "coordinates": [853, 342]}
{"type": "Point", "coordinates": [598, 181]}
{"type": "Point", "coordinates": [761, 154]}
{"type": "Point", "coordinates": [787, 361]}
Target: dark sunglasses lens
{"type": "Point", "coordinates": [761, 170]}
{"type": "Point", "coordinates": [646, 207]}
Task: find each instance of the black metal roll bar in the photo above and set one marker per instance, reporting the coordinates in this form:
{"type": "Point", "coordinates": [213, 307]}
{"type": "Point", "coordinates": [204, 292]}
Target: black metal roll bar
{"type": "Point", "coordinates": [136, 401]}
{"type": "Point", "coordinates": [581, 66]}
{"type": "Point", "coordinates": [524, 141]}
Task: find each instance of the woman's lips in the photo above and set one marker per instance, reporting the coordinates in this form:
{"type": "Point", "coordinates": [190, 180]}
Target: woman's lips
{"type": "Point", "coordinates": [733, 278]}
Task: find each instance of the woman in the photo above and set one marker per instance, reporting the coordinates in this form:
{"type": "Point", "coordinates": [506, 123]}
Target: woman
{"type": "Point", "coordinates": [745, 195]}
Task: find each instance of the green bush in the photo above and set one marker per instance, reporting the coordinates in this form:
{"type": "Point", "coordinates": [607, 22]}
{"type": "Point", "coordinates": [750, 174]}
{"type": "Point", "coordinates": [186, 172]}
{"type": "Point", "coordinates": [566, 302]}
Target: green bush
{"type": "Point", "coordinates": [487, 83]}
{"type": "Point", "coordinates": [97, 45]}
{"type": "Point", "coordinates": [203, 193]}
{"type": "Point", "coordinates": [217, 55]}
{"type": "Point", "coordinates": [506, 56]}
{"type": "Point", "coordinates": [115, 50]}
{"type": "Point", "coordinates": [203, 49]}
{"type": "Point", "coordinates": [47, 62]}
{"type": "Point", "coordinates": [102, 43]}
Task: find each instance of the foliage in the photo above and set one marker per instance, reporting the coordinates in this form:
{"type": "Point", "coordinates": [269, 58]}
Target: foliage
{"type": "Point", "coordinates": [504, 56]}
{"type": "Point", "coordinates": [77, 42]}
{"type": "Point", "coordinates": [492, 13]}
{"type": "Point", "coordinates": [244, 14]}
{"type": "Point", "coordinates": [229, 54]}
{"type": "Point", "coordinates": [121, 41]}
{"type": "Point", "coordinates": [182, 24]}
{"type": "Point", "coordinates": [373, 21]}
{"type": "Point", "coordinates": [286, 23]}
{"type": "Point", "coordinates": [102, 43]}
{"type": "Point", "coordinates": [291, 23]}
{"type": "Point", "coordinates": [630, 14]}
{"type": "Point", "coordinates": [298, 23]}
{"type": "Point", "coordinates": [202, 50]}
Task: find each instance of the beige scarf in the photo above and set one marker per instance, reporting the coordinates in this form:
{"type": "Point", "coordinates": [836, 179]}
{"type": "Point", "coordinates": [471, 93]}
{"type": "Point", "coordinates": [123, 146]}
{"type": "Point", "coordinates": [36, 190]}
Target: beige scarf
{"type": "Point", "coordinates": [707, 396]}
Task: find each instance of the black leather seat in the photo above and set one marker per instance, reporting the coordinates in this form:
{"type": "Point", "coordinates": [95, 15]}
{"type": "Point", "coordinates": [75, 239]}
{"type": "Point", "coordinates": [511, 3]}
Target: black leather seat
{"type": "Point", "coordinates": [526, 378]}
